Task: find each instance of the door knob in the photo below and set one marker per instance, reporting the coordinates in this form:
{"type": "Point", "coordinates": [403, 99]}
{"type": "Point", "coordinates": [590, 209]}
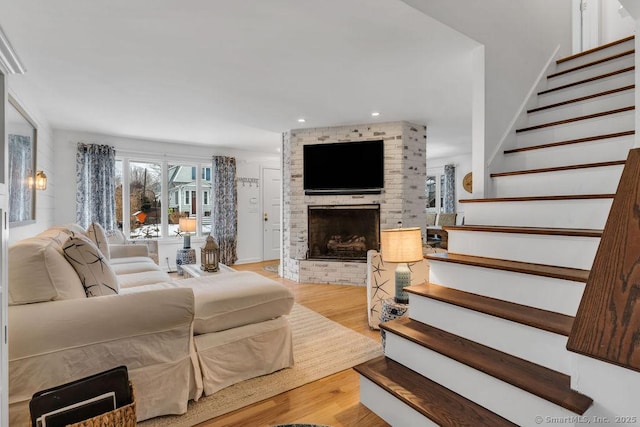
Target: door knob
{"type": "Point", "coordinates": [266, 217]}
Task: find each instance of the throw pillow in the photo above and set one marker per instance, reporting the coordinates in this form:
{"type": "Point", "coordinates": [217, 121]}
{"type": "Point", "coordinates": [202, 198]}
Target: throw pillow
{"type": "Point", "coordinates": [115, 237]}
{"type": "Point", "coordinates": [94, 271]}
{"type": "Point", "coordinates": [97, 234]}
{"type": "Point", "coordinates": [39, 272]}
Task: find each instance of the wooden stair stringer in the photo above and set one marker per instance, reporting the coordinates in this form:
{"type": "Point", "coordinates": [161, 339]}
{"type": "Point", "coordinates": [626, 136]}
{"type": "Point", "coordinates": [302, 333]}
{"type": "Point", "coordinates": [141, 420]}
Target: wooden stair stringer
{"type": "Point", "coordinates": [608, 321]}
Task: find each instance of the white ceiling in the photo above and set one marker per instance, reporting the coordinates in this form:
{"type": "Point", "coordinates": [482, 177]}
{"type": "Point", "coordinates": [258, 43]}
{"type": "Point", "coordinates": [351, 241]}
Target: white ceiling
{"type": "Point", "coordinates": [236, 73]}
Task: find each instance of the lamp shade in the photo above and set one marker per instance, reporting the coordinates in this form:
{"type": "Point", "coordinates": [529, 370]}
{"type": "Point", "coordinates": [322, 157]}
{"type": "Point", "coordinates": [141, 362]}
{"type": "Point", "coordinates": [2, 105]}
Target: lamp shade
{"type": "Point", "coordinates": [401, 245]}
{"type": "Point", "coordinates": [188, 225]}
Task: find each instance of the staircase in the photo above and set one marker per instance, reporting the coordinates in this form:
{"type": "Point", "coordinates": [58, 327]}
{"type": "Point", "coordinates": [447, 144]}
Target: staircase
{"type": "Point", "coordinates": [485, 340]}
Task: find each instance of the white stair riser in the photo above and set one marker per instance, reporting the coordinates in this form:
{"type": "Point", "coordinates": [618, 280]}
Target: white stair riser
{"type": "Point", "coordinates": [582, 108]}
{"type": "Point", "coordinates": [609, 386]}
{"type": "Point", "coordinates": [600, 85]}
{"type": "Point", "coordinates": [504, 399]}
{"type": "Point", "coordinates": [541, 347]}
{"type": "Point", "coordinates": [603, 150]}
{"type": "Point", "coordinates": [388, 407]}
{"type": "Point", "coordinates": [581, 213]}
{"type": "Point", "coordinates": [579, 129]}
{"type": "Point", "coordinates": [546, 293]}
{"type": "Point", "coordinates": [600, 180]}
{"type": "Point", "coordinates": [601, 54]}
{"type": "Point", "coordinates": [592, 71]}
{"type": "Point", "coordinates": [561, 251]}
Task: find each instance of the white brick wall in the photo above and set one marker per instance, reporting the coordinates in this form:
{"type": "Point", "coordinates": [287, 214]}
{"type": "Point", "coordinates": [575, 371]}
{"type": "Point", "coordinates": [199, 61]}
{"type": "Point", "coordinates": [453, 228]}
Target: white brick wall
{"type": "Point", "coordinates": [402, 199]}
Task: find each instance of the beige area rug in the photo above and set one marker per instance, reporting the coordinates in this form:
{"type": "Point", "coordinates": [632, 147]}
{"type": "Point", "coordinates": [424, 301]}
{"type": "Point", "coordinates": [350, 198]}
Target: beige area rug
{"type": "Point", "coordinates": [272, 268]}
{"type": "Point", "coordinates": [321, 347]}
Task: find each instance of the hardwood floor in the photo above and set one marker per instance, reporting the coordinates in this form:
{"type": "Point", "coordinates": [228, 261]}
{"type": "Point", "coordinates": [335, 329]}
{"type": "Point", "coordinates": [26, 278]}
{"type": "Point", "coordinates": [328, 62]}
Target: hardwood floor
{"type": "Point", "coordinates": [334, 400]}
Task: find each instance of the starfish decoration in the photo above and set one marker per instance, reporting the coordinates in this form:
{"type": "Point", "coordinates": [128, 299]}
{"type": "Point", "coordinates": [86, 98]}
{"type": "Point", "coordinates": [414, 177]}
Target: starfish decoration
{"type": "Point", "coordinates": [378, 287]}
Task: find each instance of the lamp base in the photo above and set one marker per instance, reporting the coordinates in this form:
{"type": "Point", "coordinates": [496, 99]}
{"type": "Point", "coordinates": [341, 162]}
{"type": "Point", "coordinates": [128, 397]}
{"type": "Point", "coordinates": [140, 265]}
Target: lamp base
{"type": "Point", "coordinates": [184, 256]}
{"type": "Point", "coordinates": [403, 279]}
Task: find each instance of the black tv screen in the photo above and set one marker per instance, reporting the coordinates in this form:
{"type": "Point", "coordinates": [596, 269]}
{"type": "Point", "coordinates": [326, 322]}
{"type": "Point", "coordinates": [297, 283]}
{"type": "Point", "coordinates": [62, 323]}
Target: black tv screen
{"type": "Point", "coordinates": [344, 168]}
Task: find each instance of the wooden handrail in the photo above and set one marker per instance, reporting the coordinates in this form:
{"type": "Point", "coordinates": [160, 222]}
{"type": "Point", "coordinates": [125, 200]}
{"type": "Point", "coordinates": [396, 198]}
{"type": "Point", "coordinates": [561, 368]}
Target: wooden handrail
{"type": "Point", "coordinates": [607, 324]}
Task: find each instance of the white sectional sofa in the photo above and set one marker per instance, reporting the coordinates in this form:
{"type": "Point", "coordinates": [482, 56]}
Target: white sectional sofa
{"type": "Point", "coordinates": [179, 339]}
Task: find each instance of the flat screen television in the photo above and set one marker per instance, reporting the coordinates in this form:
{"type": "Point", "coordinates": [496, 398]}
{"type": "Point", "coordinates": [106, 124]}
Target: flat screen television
{"type": "Point", "coordinates": [344, 168]}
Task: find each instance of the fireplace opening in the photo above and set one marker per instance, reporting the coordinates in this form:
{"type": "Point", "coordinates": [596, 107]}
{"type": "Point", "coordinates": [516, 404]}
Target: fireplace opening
{"type": "Point", "coordinates": [344, 232]}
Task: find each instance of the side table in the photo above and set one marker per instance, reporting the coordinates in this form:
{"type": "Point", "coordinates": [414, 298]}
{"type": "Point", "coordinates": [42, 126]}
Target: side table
{"type": "Point", "coordinates": [184, 256]}
{"type": "Point", "coordinates": [194, 270]}
{"type": "Point", "coordinates": [391, 310]}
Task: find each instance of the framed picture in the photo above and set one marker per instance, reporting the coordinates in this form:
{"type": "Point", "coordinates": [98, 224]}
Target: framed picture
{"type": "Point", "coordinates": [22, 139]}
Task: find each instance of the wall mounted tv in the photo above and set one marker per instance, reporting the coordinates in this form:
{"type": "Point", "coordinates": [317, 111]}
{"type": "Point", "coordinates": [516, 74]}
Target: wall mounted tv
{"type": "Point", "coordinates": [344, 168]}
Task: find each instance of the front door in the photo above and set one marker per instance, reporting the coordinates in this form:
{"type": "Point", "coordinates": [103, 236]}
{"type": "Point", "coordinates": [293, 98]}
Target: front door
{"type": "Point", "coordinates": [271, 216]}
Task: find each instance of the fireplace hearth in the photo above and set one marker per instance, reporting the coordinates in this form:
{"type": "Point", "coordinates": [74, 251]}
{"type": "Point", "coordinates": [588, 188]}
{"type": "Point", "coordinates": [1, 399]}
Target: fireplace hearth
{"type": "Point", "coordinates": [344, 232]}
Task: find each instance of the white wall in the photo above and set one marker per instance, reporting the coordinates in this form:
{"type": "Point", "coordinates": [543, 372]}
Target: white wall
{"type": "Point", "coordinates": [249, 165]}
{"type": "Point", "coordinates": [519, 37]}
{"type": "Point", "coordinates": [617, 23]}
{"type": "Point", "coordinates": [463, 166]}
{"type": "Point", "coordinates": [249, 213]}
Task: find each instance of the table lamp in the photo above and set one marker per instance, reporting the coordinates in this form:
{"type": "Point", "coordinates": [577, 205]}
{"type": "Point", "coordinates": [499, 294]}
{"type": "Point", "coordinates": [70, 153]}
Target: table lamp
{"type": "Point", "coordinates": [401, 245]}
{"type": "Point", "coordinates": [187, 226]}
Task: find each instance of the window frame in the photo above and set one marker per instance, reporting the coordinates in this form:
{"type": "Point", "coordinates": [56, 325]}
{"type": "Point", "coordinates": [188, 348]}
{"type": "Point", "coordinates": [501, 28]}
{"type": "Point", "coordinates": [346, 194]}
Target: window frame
{"type": "Point", "coordinates": [137, 157]}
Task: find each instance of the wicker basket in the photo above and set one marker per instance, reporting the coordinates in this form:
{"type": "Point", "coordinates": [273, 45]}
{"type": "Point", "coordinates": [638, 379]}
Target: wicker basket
{"type": "Point", "coordinates": [124, 416]}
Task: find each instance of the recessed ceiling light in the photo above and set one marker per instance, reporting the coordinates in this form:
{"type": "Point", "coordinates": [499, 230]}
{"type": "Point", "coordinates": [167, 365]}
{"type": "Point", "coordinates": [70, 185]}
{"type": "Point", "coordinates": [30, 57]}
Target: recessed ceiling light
{"type": "Point", "coordinates": [375, 114]}
{"type": "Point", "coordinates": [301, 120]}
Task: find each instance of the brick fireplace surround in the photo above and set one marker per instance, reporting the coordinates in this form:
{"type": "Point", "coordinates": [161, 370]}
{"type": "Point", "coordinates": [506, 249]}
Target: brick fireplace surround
{"type": "Point", "coordinates": [402, 199]}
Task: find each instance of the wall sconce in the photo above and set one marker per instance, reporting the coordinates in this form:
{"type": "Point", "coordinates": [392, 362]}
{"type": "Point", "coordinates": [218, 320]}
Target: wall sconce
{"type": "Point", "coordinates": [41, 180]}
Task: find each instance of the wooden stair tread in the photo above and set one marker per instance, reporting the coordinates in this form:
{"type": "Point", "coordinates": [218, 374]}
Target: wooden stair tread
{"type": "Point", "coordinates": [538, 198]}
{"type": "Point", "coordinates": [535, 317]}
{"type": "Point", "coordinates": [543, 382]}
{"type": "Point", "coordinates": [559, 168]}
{"type": "Point", "coordinates": [582, 98]}
{"type": "Point", "coordinates": [571, 141]}
{"type": "Point", "coordinates": [574, 232]}
{"type": "Point", "coordinates": [595, 49]}
{"type": "Point", "coordinates": [592, 63]}
{"type": "Point", "coordinates": [577, 119]}
{"type": "Point", "coordinates": [439, 404]}
{"type": "Point", "coordinates": [589, 80]}
{"type": "Point", "coordinates": [552, 271]}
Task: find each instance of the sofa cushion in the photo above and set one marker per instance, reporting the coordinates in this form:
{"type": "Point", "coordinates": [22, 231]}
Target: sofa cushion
{"type": "Point", "coordinates": [38, 271]}
{"type": "Point", "coordinates": [135, 267]}
{"type": "Point", "coordinates": [228, 300]}
{"type": "Point", "coordinates": [115, 237]}
{"type": "Point", "coordinates": [94, 271]}
{"type": "Point", "coordinates": [133, 280]}
{"type": "Point", "coordinates": [98, 236]}
{"type": "Point", "coordinates": [59, 236]}
{"type": "Point", "coordinates": [71, 229]}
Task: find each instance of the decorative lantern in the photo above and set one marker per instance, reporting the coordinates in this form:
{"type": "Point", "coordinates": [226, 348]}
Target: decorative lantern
{"type": "Point", "coordinates": [210, 255]}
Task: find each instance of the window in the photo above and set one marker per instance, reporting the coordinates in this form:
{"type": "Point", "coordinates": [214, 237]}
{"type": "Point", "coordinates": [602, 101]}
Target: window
{"type": "Point", "coordinates": [145, 189]}
{"type": "Point", "coordinates": [206, 174]}
{"type": "Point", "coordinates": [431, 193]}
{"type": "Point", "coordinates": [145, 209]}
{"type": "Point", "coordinates": [441, 198]}
{"type": "Point", "coordinates": [435, 190]}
